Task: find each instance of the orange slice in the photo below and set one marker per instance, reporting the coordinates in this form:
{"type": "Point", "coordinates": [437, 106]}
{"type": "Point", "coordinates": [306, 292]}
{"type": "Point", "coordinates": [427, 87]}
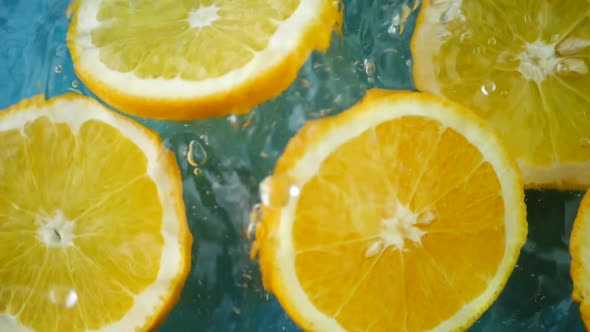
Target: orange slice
{"type": "Point", "coordinates": [93, 232]}
{"type": "Point", "coordinates": [524, 67]}
{"type": "Point", "coordinates": [404, 213]}
{"type": "Point", "coordinates": [580, 252]}
{"type": "Point", "coordinates": [183, 60]}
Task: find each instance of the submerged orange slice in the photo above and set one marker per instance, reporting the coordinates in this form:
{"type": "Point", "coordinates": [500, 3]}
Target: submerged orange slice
{"type": "Point", "coordinates": [404, 213]}
{"type": "Point", "coordinates": [184, 60]}
{"type": "Point", "coordinates": [524, 67]}
{"type": "Point", "coordinates": [580, 251]}
{"type": "Point", "coordinates": [93, 232]}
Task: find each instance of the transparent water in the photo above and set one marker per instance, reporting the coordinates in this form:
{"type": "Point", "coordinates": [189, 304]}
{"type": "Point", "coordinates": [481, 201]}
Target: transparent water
{"type": "Point", "coordinates": [232, 155]}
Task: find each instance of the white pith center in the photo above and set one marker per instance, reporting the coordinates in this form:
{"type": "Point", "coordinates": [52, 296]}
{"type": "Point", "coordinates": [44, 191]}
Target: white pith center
{"type": "Point", "coordinates": [537, 61]}
{"type": "Point", "coordinates": [401, 227]}
{"type": "Point", "coordinates": [55, 230]}
{"type": "Point", "coordinates": [203, 16]}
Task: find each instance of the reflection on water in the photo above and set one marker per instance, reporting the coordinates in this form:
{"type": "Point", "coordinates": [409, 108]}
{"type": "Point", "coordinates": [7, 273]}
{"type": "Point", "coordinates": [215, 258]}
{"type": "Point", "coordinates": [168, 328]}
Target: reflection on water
{"type": "Point", "coordinates": [224, 160]}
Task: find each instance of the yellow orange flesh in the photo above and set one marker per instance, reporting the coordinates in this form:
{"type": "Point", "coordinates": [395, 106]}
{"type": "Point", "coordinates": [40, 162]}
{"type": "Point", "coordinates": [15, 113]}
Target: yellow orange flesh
{"type": "Point", "coordinates": [182, 60]}
{"type": "Point", "coordinates": [406, 225]}
{"type": "Point", "coordinates": [523, 66]}
{"type": "Point", "coordinates": [580, 252]}
{"type": "Point", "coordinates": [161, 39]}
{"type": "Point", "coordinates": [83, 228]}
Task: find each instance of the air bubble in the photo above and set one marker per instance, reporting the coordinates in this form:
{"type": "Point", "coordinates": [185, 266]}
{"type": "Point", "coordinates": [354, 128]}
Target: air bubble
{"type": "Point", "coordinates": [196, 154]}
{"type": "Point", "coordinates": [75, 84]}
{"type": "Point", "coordinates": [277, 190]}
{"type": "Point", "coordinates": [488, 88]}
{"type": "Point", "coordinates": [240, 121]}
{"type": "Point", "coordinates": [58, 69]}
{"type": "Point", "coordinates": [585, 142]}
{"type": "Point", "coordinates": [492, 41]}
{"type": "Point", "coordinates": [63, 296]}
{"type": "Point", "coordinates": [197, 171]}
{"type": "Point", "coordinates": [465, 36]}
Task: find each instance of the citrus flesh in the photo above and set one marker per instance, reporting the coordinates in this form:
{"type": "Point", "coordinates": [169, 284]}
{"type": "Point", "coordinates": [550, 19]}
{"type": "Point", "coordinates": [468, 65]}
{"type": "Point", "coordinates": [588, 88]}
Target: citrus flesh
{"type": "Point", "coordinates": [580, 252]}
{"type": "Point", "coordinates": [404, 213]}
{"type": "Point", "coordinates": [523, 67]}
{"type": "Point", "coordinates": [93, 233]}
{"type": "Point", "coordinates": [195, 59]}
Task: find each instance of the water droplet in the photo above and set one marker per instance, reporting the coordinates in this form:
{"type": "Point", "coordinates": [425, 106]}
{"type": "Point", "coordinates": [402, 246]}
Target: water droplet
{"type": "Point", "coordinates": [74, 84]}
{"type": "Point", "coordinates": [374, 249]}
{"type": "Point", "coordinates": [58, 69]}
{"type": "Point", "coordinates": [585, 142]}
{"type": "Point", "coordinates": [63, 296]}
{"type": "Point", "coordinates": [409, 63]}
{"type": "Point", "coordinates": [369, 67]}
{"type": "Point", "coordinates": [504, 93]}
{"type": "Point", "coordinates": [196, 154]}
{"type": "Point", "coordinates": [197, 171]}
{"type": "Point", "coordinates": [492, 41]}
{"type": "Point", "coordinates": [240, 121]}
{"type": "Point", "coordinates": [465, 36]}
{"type": "Point", "coordinates": [488, 88]}
{"type": "Point", "coordinates": [277, 190]}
